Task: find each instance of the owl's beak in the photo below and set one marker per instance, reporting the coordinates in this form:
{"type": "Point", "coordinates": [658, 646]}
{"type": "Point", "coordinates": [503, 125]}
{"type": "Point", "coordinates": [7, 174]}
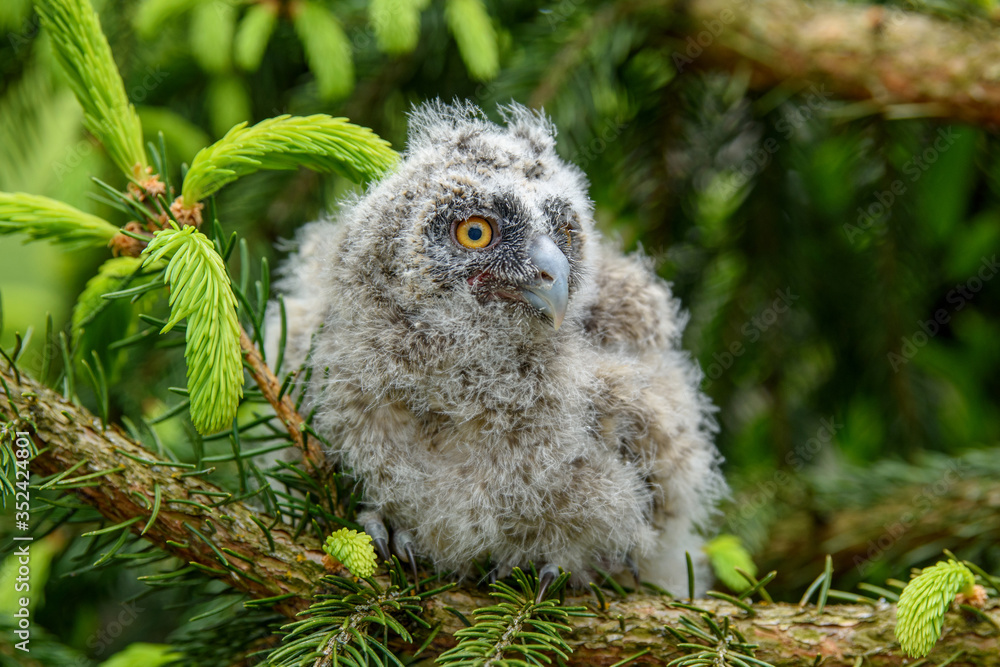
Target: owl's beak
{"type": "Point", "coordinates": [548, 291]}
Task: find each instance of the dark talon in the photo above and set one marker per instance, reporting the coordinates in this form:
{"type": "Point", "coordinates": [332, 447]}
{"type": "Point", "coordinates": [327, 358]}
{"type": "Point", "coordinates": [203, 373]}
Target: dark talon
{"type": "Point", "coordinates": [403, 544]}
{"type": "Point", "coordinates": [545, 579]}
{"type": "Point", "coordinates": [372, 524]}
{"type": "Point", "coordinates": [383, 549]}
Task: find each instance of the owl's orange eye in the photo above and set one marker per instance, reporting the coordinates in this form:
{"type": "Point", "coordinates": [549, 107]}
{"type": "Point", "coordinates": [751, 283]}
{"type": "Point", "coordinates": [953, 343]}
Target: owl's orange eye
{"type": "Point", "coordinates": [474, 233]}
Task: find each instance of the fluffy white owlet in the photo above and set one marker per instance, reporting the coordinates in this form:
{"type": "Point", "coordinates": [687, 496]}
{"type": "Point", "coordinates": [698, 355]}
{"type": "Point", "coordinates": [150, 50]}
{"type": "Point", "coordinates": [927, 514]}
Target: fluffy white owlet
{"type": "Point", "coordinates": [505, 384]}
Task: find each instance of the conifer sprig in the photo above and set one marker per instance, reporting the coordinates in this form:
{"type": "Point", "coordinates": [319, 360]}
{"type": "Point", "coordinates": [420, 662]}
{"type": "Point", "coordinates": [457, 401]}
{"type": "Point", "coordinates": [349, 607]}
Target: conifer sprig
{"type": "Point", "coordinates": [517, 631]}
{"type": "Point", "coordinates": [924, 601]}
{"type": "Point", "coordinates": [336, 628]}
{"type": "Point", "coordinates": [41, 218]}
{"type": "Point", "coordinates": [319, 142]}
{"type": "Point", "coordinates": [200, 291]}
{"type": "Point", "coordinates": [705, 642]}
{"type": "Point", "coordinates": [354, 550]}
{"type": "Point", "coordinates": [84, 54]}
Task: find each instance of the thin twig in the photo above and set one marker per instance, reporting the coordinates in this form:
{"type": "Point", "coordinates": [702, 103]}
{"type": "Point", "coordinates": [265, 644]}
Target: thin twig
{"type": "Point", "coordinates": [283, 406]}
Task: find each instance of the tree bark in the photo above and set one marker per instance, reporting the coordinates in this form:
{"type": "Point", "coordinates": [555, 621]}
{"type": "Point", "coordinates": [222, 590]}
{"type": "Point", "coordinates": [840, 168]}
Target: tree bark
{"type": "Point", "coordinates": [898, 532]}
{"type": "Point", "coordinates": [899, 63]}
{"type": "Point", "coordinates": [225, 542]}
{"type": "Point", "coordinates": [67, 434]}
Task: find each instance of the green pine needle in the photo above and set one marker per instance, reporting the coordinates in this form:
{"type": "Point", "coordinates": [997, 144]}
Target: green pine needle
{"type": "Point", "coordinates": [472, 28]}
{"type": "Point", "coordinates": [41, 218]}
{"type": "Point", "coordinates": [200, 291]}
{"type": "Point", "coordinates": [354, 550]}
{"type": "Point", "coordinates": [84, 54]}
{"type": "Point", "coordinates": [725, 554]}
{"type": "Point", "coordinates": [923, 603]}
{"type": "Point", "coordinates": [319, 142]}
{"type": "Point", "coordinates": [327, 48]}
{"type": "Point", "coordinates": [396, 24]}
{"type": "Point", "coordinates": [252, 36]}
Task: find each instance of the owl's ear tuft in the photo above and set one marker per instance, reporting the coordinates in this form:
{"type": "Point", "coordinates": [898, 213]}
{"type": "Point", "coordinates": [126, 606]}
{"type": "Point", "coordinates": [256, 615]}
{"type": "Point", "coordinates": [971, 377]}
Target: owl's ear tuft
{"type": "Point", "coordinates": [435, 122]}
{"type": "Point", "coordinates": [531, 125]}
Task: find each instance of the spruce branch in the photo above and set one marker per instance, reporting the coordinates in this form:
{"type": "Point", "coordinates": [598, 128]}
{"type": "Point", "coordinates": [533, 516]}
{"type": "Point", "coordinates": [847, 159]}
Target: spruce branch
{"type": "Point", "coordinates": [84, 54]}
{"type": "Point", "coordinates": [338, 628]}
{"type": "Point", "coordinates": [129, 482]}
{"type": "Point", "coordinates": [710, 641]}
{"type": "Point", "coordinates": [897, 62]}
{"type": "Point", "coordinates": [319, 142]}
{"type": "Point", "coordinates": [41, 218]}
{"type": "Point", "coordinates": [283, 571]}
{"type": "Point", "coordinates": [517, 630]}
{"type": "Point", "coordinates": [201, 292]}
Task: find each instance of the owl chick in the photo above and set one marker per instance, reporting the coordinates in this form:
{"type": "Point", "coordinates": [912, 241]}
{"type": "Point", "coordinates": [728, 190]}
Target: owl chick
{"type": "Point", "coordinates": [504, 383]}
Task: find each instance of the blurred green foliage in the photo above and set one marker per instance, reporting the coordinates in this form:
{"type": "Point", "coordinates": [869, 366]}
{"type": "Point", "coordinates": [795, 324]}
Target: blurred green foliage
{"type": "Point", "coordinates": [839, 268]}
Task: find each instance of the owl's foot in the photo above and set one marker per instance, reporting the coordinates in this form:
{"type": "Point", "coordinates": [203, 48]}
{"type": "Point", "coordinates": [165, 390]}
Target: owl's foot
{"type": "Point", "coordinates": [546, 576]}
{"type": "Point", "coordinates": [402, 544]}
{"type": "Point", "coordinates": [402, 541]}
{"type": "Point", "coordinates": [372, 524]}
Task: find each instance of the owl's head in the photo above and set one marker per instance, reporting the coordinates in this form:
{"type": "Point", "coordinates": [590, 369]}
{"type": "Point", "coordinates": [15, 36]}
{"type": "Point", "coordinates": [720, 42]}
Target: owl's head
{"type": "Point", "coordinates": [483, 217]}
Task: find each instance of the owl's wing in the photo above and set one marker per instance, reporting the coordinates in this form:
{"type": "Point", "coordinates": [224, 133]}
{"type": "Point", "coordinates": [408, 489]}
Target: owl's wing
{"type": "Point", "coordinates": [652, 410]}
{"type": "Point", "coordinates": [306, 301]}
{"type": "Point", "coordinates": [634, 309]}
